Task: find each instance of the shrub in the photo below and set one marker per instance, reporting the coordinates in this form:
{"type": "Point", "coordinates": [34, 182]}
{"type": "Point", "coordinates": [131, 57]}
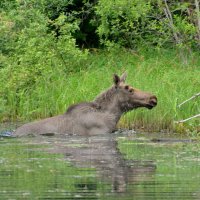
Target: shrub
{"type": "Point", "coordinates": [32, 52]}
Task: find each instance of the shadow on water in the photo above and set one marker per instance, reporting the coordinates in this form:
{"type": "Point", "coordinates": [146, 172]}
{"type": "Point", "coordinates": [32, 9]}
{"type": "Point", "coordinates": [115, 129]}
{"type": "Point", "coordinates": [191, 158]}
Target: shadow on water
{"type": "Point", "coordinates": [116, 166]}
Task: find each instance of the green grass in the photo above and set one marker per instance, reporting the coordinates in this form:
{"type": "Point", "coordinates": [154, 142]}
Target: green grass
{"type": "Point", "coordinates": [161, 72]}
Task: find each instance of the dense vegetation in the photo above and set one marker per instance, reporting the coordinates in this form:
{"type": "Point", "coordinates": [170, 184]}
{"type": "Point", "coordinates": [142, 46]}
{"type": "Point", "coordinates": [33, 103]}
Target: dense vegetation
{"type": "Point", "coordinates": [54, 53]}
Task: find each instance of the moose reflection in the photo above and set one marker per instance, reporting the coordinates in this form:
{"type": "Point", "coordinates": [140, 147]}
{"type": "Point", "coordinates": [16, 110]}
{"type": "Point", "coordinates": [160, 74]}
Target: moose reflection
{"type": "Point", "coordinates": [102, 154]}
{"type": "Point", "coordinates": [97, 117]}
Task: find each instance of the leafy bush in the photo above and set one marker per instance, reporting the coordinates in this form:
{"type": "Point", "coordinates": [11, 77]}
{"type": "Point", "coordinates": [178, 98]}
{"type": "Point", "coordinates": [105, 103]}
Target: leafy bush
{"type": "Point", "coordinates": [143, 23]}
{"type": "Point", "coordinates": [31, 52]}
{"type": "Point", "coordinates": [122, 21]}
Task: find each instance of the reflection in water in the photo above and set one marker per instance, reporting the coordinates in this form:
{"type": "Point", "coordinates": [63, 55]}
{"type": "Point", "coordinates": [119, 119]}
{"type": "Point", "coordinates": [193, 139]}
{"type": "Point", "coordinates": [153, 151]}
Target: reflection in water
{"type": "Point", "coordinates": [102, 154]}
{"type": "Point", "coordinates": [100, 167]}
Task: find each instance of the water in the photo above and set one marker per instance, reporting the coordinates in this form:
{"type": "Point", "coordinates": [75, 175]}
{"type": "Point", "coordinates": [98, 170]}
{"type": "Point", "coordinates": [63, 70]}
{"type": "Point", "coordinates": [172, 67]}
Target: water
{"type": "Point", "coordinates": [118, 166]}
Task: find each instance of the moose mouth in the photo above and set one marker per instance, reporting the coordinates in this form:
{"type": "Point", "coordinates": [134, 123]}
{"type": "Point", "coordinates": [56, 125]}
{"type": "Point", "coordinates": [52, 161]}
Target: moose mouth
{"type": "Point", "coordinates": [149, 106]}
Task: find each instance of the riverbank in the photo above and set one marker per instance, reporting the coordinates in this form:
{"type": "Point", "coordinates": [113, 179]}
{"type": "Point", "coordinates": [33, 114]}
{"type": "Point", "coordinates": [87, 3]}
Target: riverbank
{"type": "Point", "coordinates": [162, 72]}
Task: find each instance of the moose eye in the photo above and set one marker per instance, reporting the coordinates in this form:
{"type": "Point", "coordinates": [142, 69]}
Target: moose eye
{"type": "Point", "coordinates": [126, 87]}
{"type": "Point", "coordinates": [131, 90]}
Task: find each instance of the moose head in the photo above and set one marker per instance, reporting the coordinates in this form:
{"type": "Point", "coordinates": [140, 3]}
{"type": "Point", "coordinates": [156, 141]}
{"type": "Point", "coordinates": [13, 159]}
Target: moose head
{"type": "Point", "coordinates": [129, 97]}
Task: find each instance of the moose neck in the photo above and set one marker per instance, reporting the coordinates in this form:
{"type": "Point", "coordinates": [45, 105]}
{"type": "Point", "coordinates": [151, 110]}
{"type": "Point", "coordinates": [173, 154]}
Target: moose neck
{"type": "Point", "coordinates": [108, 102]}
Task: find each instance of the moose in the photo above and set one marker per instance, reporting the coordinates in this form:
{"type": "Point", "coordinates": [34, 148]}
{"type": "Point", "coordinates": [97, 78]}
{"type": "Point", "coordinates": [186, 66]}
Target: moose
{"type": "Point", "coordinates": [96, 117]}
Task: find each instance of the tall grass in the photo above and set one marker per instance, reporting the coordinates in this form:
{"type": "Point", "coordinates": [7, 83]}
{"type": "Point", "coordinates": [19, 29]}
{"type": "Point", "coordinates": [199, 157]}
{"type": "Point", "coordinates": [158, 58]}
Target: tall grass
{"type": "Point", "coordinates": [160, 72]}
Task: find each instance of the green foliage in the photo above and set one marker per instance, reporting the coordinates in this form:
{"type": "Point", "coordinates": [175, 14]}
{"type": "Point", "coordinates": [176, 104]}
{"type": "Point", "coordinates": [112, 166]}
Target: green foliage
{"type": "Point", "coordinates": [32, 52]}
{"type": "Point", "coordinates": [41, 65]}
{"type": "Point", "coordinates": [80, 11]}
{"type": "Point", "coordinates": [186, 30]}
{"type": "Point", "coordinates": [128, 23]}
{"type": "Point", "coordinates": [143, 23]}
{"type": "Point", "coordinates": [122, 21]}
{"type": "Point", "coordinates": [160, 72]}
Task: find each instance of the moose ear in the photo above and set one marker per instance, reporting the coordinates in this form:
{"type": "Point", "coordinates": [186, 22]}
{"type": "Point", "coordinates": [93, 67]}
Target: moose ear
{"type": "Point", "coordinates": [123, 77]}
{"type": "Point", "coordinates": [116, 79]}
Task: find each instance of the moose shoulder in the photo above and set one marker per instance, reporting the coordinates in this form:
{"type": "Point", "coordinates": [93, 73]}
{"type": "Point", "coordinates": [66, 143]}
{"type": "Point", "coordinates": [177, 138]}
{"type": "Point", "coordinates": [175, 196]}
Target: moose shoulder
{"type": "Point", "coordinates": [97, 117]}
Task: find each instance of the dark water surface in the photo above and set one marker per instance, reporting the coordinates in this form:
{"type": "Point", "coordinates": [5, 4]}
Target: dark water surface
{"type": "Point", "coordinates": [118, 166]}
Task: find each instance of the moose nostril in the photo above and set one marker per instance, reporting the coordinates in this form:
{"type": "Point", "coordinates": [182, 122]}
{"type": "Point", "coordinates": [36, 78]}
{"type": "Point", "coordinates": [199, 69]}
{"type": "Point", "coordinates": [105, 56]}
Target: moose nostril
{"type": "Point", "coordinates": [153, 101]}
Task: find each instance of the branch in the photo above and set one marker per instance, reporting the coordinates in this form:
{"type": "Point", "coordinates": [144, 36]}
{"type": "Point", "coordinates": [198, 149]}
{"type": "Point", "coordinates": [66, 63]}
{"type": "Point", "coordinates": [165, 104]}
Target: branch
{"type": "Point", "coordinates": [171, 24]}
{"type": "Point", "coordinates": [184, 120]}
{"type": "Point", "coordinates": [193, 97]}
